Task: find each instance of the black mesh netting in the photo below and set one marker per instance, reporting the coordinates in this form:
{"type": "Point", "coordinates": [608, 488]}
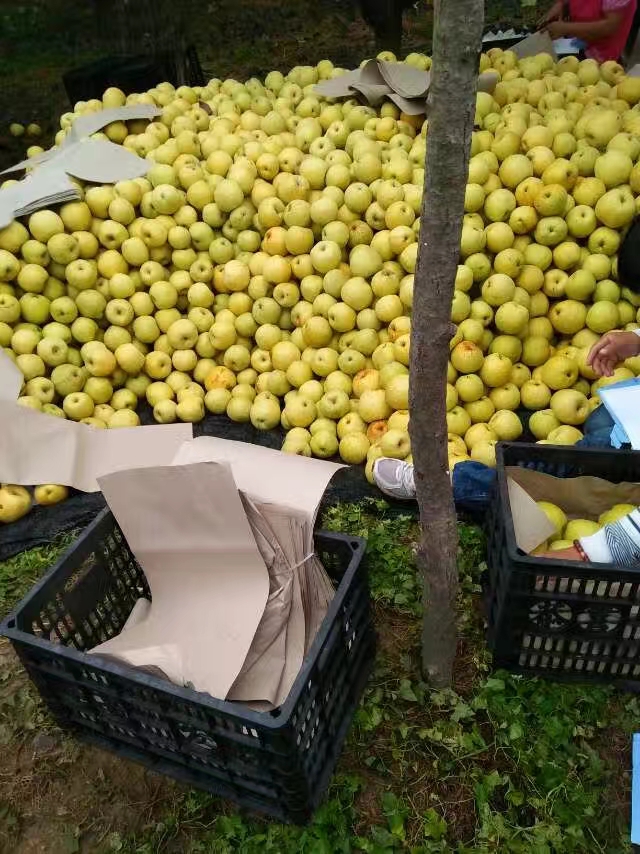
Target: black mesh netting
{"type": "Point", "coordinates": [43, 524]}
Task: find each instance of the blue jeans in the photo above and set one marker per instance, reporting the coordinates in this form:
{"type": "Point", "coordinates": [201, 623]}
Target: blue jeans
{"type": "Point", "coordinates": [597, 429]}
{"type": "Point", "coordinates": [473, 482]}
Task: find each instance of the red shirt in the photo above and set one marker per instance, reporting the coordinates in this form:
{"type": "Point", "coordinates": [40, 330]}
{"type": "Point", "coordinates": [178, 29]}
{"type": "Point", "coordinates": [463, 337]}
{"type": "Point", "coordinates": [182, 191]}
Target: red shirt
{"type": "Point", "coordinates": [612, 46]}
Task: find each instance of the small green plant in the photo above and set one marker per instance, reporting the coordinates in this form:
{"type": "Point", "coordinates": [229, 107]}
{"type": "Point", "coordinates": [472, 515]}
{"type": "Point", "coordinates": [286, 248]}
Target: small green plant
{"type": "Point", "coordinates": [390, 544]}
{"type": "Point", "coordinates": [18, 574]}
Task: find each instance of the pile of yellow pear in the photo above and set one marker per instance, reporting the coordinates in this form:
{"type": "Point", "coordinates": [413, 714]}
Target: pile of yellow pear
{"type": "Point", "coordinates": [263, 268]}
{"type": "Point", "coordinates": [569, 530]}
{"type": "Point", "coordinates": [17, 501]}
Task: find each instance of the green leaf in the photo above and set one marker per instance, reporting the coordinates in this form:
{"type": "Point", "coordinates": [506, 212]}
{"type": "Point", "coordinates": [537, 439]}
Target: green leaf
{"type": "Point", "coordinates": [69, 843]}
{"type": "Point", "coordinates": [435, 827]}
{"type": "Point", "coordinates": [114, 841]}
{"type": "Point", "coordinates": [396, 812]}
{"type": "Point", "coordinates": [515, 732]}
{"type": "Point", "coordinates": [406, 691]}
{"type": "Point", "coordinates": [461, 712]}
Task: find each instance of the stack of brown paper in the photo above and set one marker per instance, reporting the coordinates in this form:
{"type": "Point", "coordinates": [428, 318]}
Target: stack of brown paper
{"type": "Point", "coordinates": [281, 494]}
{"type": "Point", "coordinates": [375, 81]}
{"type": "Point", "coordinates": [209, 583]}
{"type": "Point", "coordinates": [278, 648]}
{"type": "Point", "coordinates": [238, 593]}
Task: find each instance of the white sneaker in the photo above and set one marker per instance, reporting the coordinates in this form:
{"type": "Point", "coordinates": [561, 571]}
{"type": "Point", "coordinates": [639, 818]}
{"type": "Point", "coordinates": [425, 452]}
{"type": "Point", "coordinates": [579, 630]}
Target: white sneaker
{"type": "Point", "coordinates": [394, 478]}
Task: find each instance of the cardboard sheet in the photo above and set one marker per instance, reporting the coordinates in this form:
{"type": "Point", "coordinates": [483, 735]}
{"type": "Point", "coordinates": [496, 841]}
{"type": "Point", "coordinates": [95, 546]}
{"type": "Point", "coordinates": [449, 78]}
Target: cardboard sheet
{"type": "Point", "coordinates": [83, 127]}
{"type": "Point", "coordinates": [11, 378]}
{"type": "Point", "coordinates": [93, 122]}
{"type": "Point", "coordinates": [635, 790]}
{"type": "Point", "coordinates": [502, 35]}
{"type": "Point", "coordinates": [339, 87]}
{"type": "Point", "coordinates": [42, 188]}
{"type": "Point", "coordinates": [209, 584]}
{"type": "Point", "coordinates": [31, 162]}
{"type": "Point", "coordinates": [579, 497]}
{"type": "Point", "coordinates": [376, 81]}
{"type": "Point", "coordinates": [405, 80]}
{"type": "Point", "coordinates": [531, 526]}
{"type": "Point", "coordinates": [99, 161]}
{"type": "Point", "coordinates": [415, 107]}
{"type": "Point", "coordinates": [373, 93]}
{"type": "Point", "coordinates": [265, 475]}
{"type": "Point", "coordinates": [38, 448]}
{"type": "Point", "coordinates": [540, 42]}
{"type": "Point", "coordinates": [622, 401]}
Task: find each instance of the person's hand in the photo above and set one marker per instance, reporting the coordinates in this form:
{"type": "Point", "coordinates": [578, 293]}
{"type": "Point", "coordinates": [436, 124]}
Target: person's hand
{"type": "Point", "coordinates": [554, 14]}
{"type": "Point", "coordinates": [557, 29]}
{"type": "Point", "coordinates": [564, 554]}
{"type": "Point", "coordinates": [611, 349]}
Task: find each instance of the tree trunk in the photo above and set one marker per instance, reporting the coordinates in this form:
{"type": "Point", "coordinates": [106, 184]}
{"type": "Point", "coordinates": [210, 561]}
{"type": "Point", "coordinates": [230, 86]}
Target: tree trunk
{"type": "Point", "coordinates": [456, 47]}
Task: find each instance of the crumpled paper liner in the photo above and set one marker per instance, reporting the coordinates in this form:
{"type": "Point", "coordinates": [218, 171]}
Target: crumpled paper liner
{"type": "Point", "coordinates": [376, 81]}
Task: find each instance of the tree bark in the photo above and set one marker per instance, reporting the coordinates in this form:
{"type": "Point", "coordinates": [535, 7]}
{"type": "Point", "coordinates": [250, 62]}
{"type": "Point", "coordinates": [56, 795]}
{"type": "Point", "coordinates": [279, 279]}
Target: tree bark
{"type": "Point", "coordinates": [456, 47]}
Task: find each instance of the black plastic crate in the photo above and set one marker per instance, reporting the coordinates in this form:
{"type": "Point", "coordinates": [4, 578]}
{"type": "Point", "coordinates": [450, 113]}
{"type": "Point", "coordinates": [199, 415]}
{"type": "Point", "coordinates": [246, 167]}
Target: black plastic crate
{"type": "Point", "coordinates": [131, 74]}
{"type": "Point", "coordinates": [563, 619]}
{"type": "Point", "coordinates": [278, 763]}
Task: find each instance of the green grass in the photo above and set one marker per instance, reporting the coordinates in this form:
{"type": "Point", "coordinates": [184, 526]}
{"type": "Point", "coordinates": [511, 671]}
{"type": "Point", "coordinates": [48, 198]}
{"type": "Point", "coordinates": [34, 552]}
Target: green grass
{"type": "Point", "coordinates": [499, 763]}
{"type": "Point", "coordinates": [19, 573]}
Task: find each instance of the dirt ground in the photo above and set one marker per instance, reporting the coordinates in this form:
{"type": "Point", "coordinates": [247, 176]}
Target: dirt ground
{"type": "Point", "coordinates": [59, 796]}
